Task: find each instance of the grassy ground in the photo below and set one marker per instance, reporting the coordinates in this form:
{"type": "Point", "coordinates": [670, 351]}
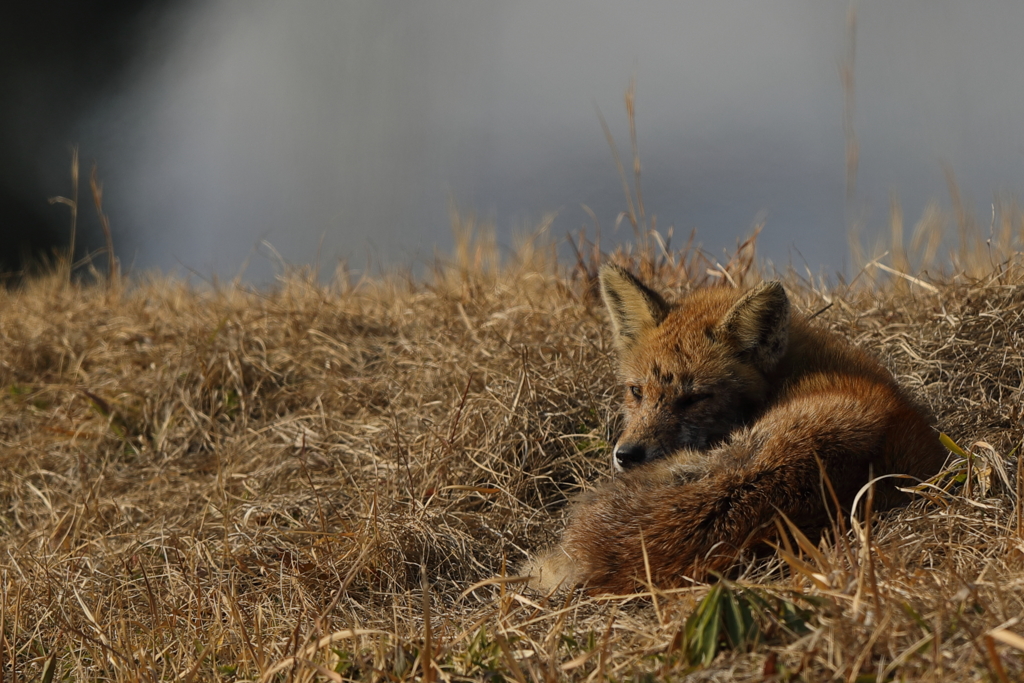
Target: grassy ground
{"type": "Point", "coordinates": [329, 482]}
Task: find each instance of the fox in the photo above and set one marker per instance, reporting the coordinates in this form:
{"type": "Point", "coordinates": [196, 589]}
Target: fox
{"type": "Point", "coordinates": [736, 410]}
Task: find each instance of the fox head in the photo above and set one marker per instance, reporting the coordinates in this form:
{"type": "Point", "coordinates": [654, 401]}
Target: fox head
{"type": "Point", "coordinates": [693, 372]}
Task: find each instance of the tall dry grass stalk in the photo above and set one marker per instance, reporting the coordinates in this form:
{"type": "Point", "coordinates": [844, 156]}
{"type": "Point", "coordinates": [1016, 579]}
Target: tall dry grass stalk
{"type": "Point", "coordinates": [66, 263]}
{"type": "Point", "coordinates": [113, 269]}
{"type": "Point", "coordinates": [947, 246]}
{"type": "Point", "coordinates": [72, 204]}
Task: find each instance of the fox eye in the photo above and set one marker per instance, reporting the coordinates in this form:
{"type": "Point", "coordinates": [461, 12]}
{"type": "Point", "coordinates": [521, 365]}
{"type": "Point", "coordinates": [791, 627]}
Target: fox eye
{"type": "Point", "coordinates": [684, 402]}
{"type": "Point", "coordinates": [636, 391]}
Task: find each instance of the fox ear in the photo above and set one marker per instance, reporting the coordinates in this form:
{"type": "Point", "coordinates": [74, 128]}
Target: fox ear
{"type": "Point", "coordinates": [758, 325]}
{"type": "Point", "coordinates": [634, 307]}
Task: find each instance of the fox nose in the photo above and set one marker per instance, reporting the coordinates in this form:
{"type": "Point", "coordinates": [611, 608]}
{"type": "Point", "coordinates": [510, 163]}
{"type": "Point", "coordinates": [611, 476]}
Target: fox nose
{"type": "Point", "coordinates": [629, 455]}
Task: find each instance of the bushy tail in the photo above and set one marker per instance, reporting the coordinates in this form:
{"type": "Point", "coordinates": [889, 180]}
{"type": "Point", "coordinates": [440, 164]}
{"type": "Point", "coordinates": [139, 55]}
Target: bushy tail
{"type": "Point", "coordinates": [685, 529]}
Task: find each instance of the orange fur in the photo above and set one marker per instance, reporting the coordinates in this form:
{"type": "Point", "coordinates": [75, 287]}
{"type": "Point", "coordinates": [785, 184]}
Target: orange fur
{"type": "Point", "coordinates": [731, 404]}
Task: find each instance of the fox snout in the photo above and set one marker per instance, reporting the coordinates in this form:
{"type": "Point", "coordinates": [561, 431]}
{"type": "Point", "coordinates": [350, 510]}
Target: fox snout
{"type": "Point", "coordinates": [628, 455]}
{"type": "Point", "coordinates": [632, 451]}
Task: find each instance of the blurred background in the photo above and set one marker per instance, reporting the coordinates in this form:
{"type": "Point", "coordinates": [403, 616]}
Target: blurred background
{"type": "Point", "coordinates": [347, 128]}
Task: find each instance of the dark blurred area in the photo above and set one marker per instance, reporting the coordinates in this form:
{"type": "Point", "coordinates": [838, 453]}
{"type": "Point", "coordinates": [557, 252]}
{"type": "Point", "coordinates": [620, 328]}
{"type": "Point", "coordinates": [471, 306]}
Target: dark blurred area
{"type": "Point", "coordinates": [57, 59]}
{"type": "Point", "coordinates": [346, 130]}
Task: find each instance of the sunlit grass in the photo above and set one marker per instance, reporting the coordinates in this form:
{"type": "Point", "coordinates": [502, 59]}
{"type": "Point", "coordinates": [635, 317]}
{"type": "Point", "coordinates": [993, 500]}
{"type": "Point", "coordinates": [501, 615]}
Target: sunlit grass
{"type": "Point", "coordinates": [218, 483]}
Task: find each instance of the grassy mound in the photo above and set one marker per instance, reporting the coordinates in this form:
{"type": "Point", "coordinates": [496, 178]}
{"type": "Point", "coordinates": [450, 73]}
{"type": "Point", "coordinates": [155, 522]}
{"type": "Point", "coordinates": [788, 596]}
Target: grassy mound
{"type": "Point", "coordinates": [337, 482]}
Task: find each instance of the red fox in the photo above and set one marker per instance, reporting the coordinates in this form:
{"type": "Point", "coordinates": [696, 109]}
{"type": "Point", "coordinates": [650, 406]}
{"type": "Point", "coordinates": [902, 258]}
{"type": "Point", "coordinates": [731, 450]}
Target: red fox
{"type": "Point", "coordinates": [736, 409]}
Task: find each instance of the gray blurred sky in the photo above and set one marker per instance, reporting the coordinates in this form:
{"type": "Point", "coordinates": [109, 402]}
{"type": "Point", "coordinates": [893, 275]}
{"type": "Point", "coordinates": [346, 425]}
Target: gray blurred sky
{"type": "Point", "coordinates": [358, 121]}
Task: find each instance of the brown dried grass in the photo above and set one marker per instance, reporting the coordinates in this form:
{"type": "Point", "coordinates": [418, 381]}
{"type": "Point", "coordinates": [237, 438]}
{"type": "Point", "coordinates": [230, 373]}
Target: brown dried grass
{"type": "Point", "coordinates": [219, 483]}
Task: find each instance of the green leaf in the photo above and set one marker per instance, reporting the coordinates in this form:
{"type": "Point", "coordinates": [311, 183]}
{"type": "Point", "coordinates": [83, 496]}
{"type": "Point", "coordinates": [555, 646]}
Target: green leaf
{"type": "Point", "coordinates": [740, 627]}
{"type": "Point", "coordinates": [951, 445]}
{"type": "Point", "coordinates": [49, 668]}
{"type": "Point", "coordinates": [703, 628]}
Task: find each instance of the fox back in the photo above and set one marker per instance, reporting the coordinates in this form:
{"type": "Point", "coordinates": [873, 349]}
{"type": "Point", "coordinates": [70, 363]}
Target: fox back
{"type": "Point", "coordinates": [735, 409]}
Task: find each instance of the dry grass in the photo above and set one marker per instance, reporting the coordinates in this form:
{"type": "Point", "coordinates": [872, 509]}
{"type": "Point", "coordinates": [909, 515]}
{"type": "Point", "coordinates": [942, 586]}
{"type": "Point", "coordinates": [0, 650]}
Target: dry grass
{"type": "Point", "coordinates": [223, 484]}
